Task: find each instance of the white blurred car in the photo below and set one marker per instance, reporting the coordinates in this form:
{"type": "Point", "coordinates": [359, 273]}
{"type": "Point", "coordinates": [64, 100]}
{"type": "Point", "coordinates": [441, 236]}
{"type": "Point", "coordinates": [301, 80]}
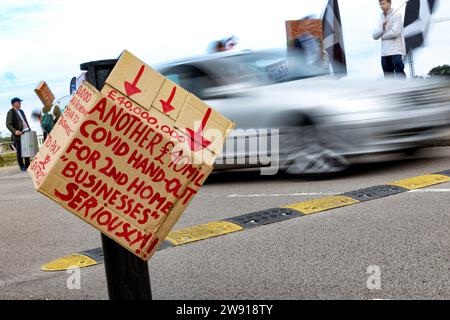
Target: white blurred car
{"type": "Point", "coordinates": [296, 117]}
{"type": "Point", "coordinates": [323, 123]}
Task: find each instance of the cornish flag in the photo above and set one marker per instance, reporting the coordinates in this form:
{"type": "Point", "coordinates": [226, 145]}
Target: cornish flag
{"type": "Point", "coordinates": [333, 40]}
{"type": "Point", "coordinates": [417, 21]}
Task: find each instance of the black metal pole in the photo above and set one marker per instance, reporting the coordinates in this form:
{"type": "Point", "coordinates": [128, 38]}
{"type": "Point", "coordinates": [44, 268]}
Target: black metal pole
{"type": "Point", "coordinates": [127, 276]}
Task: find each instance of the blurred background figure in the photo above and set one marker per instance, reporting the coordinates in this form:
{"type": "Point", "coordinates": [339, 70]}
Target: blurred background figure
{"type": "Point", "coordinates": [216, 46]}
{"type": "Point", "coordinates": [36, 115]}
{"type": "Point", "coordinates": [230, 43]}
{"type": "Point", "coordinates": [47, 117]}
{"type": "Point", "coordinates": [225, 44]}
{"type": "Point", "coordinates": [305, 48]}
{"type": "Point", "coordinates": [310, 48]}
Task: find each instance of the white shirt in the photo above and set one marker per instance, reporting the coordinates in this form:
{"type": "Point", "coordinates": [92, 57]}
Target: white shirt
{"type": "Point", "coordinates": [25, 125]}
{"type": "Point", "coordinates": [392, 39]}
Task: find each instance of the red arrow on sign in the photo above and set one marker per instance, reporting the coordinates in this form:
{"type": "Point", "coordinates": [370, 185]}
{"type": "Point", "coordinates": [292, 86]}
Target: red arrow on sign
{"type": "Point", "coordinates": [45, 162]}
{"type": "Point", "coordinates": [197, 141]}
{"type": "Point", "coordinates": [131, 88]}
{"type": "Point", "coordinates": [166, 105]}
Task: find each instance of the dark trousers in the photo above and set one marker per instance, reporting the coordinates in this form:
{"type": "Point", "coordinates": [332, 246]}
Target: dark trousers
{"type": "Point", "coordinates": [24, 163]}
{"type": "Point", "coordinates": [393, 66]}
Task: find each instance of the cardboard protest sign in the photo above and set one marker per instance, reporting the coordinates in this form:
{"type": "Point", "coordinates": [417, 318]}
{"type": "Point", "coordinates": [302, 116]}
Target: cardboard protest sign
{"type": "Point", "coordinates": [118, 159]}
{"type": "Point", "coordinates": [296, 28]}
{"type": "Point", "coordinates": [45, 94]}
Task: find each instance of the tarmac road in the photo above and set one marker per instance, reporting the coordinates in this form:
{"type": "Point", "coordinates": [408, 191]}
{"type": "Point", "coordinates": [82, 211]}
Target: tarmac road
{"type": "Point", "coordinates": [320, 256]}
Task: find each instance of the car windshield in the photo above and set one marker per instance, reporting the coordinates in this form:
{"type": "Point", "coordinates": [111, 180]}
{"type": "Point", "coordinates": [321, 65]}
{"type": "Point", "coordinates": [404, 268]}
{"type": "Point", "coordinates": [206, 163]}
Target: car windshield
{"type": "Point", "coordinates": [257, 68]}
{"type": "Point", "coordinates": [281, 66]}
{"type": "Point", "coordinates": [244, 69]}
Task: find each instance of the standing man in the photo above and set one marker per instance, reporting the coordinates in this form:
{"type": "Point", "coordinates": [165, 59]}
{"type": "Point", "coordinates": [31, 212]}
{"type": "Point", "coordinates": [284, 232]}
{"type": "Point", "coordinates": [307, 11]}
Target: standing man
{"type": "Point", "coordinates": [16, 122]}
{"type": "Point", "coordinates": [390, 30]}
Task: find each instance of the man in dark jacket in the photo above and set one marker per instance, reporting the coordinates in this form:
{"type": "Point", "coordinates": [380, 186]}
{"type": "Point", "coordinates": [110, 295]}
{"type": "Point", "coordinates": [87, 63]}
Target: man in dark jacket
{"type": "Point", "coordinates": [16, 122]}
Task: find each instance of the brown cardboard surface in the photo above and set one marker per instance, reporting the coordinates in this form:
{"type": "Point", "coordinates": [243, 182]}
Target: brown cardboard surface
{"type": "Point", "coordinates": [182, 149]}
{"type": "Point", "coordinates": [123, 168]}
{"type": "Point", "coordinates": [162, 123]}
{"type": "Point", "coordinates": [62, 132]}
{"type": "Point", "coordinates": [171, 99]}
{"type": "Point", "coordinates": [135, 79]}
{"type": "Point", "coordinates": [45, 94]}
{"type": "Point", "coordinates": [213, 126]}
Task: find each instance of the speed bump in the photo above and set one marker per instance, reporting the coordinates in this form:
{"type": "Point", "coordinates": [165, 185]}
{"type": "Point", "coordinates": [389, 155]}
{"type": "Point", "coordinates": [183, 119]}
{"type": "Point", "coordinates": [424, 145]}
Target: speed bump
{"type": "Point", "coordinates": [322, 204]}
{"type": "Point", "coordinates": [69, 262]}
{"type": "Point", "coordinates": [95, 254]}
{"type": "Point", "coordinates": [201, 232]}
{"type": "Point", "coordinates": [373, 193]}
{"type": "Point", "coordinates": [260, 218]}
{"type": "Point", "coordinates": [445, 173]}
{"type": "Point", "coordinates": [421, 181]}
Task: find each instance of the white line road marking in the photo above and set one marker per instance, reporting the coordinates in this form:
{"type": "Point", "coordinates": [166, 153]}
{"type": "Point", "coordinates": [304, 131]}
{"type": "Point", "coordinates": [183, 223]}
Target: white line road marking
{"type": "Point", "coordinates": [430, 190]}
{"type": "Point", "coordinates": [317, 193]}
{"type": "Point", "coordinates": [281, 194]}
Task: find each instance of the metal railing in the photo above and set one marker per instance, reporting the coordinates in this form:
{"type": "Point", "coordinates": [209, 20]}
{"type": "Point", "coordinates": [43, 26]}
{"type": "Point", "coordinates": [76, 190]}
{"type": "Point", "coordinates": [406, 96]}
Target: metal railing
{"type": "Point", "coordinates": [8, 147]}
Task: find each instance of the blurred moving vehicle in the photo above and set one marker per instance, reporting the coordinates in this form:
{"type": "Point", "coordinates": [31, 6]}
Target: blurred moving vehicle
{"type": "Point", "coordinates": [294, 116]}
{"type": "Point", "coordinates": [323, 123]}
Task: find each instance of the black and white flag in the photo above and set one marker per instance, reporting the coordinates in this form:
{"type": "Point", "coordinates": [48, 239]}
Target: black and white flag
{"type": "Point", "coordinates": [417, 21]}
{"type": "Point", "coordinates": [333, 40]}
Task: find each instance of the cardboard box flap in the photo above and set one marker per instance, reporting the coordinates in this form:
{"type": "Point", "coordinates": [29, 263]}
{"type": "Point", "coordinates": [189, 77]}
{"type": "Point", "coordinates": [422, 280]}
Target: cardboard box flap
{"type": "Point", "coordinates": [128, 171]}
{"type": "Point", "coordinates": [205, 127]}
{"type": "Point", "coordinates": [136, 80]}
{"type": "Point", "coordinates": [171, 99]}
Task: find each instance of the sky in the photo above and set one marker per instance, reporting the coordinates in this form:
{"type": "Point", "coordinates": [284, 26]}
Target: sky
{"type": "Point", "coordinates": [49, 39]}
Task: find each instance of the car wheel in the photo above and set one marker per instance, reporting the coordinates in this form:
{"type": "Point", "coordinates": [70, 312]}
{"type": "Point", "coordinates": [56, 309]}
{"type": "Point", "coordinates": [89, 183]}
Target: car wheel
{"type": "Point", "coordinates": [311, 151]}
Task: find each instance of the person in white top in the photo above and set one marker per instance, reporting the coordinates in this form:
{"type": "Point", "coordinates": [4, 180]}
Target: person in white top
{"type": "Point", "coordinates": [390, 30]}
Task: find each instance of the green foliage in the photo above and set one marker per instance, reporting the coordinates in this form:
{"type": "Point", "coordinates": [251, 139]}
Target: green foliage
{"type": "Point", "coordinates": [443, 70]}
{"type": "Point", "coordinates": [5, 139]}
{"type": "Point", "coordinates": [7, 159]}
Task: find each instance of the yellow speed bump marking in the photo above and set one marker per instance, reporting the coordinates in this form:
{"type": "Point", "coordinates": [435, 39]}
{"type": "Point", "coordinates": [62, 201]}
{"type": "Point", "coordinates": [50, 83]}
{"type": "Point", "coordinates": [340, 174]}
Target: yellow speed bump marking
{"type": "Point", "coordinates": [322, 204]}
{"type": "Point", "coordinates": [421, 181]}
{"type": "Point", "coordinates": [69, 262]}
{"type": "Point", "coordinates": [204, 231]}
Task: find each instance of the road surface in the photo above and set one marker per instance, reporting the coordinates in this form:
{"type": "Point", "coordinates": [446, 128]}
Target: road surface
{"type": "Point", "coordinates": [328, 255]}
